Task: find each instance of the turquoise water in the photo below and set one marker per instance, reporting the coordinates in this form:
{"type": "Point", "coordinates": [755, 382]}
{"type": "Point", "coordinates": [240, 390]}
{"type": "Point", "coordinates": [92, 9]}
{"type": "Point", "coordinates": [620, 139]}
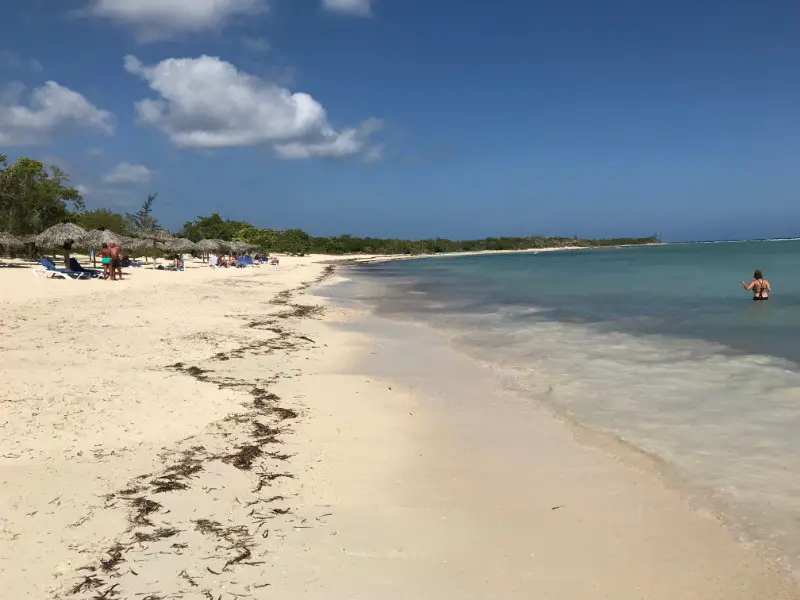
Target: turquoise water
{"type": "Point", "coordinates": [658, 346]}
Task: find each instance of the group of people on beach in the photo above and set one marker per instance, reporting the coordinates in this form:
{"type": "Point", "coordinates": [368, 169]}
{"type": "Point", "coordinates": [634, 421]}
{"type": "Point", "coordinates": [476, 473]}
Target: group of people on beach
{"type": "Point", "coordinates": [111, 257]}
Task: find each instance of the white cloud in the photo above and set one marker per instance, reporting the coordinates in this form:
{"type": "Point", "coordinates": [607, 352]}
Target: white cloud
{"type": "Point", "coordinates": [12, 60]}
{"type": "Point", "coordinates": [83, 190]}
{"type": "Point", "coordinates": [373, 155]}
{"type": "Point", "coordinates": [96, 152]}
{"type": "Point", "coordinates": [11, 93]}
{"type": "Point", "coordinates": [128, 173]}
{"type": "Point", "coordinates": [256, 45]}
{"type": "Point", "coordinates": [154, 20]}
{"type": "Point", "coordinates": [51, 108]}
{"type": "Point", "coordinates": [353, 8]}
{"type": "Point", "coordinates": [207, 103]}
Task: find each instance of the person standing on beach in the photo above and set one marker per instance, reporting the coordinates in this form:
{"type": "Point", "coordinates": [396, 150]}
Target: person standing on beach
{"type": "Point", "coordinates": [105, 258]}
{"type": "Point", "coordinates": [116, 259]}
{"type": "Point", "coordinates": [759, 286]}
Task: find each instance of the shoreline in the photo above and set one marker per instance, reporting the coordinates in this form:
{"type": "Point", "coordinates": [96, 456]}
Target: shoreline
{"type": "Point", "coordinates": [348, 259]}
{"type": "Point", "coordinates": [313, 450]}
{"type": "Point", "coordinates": [622, 507]}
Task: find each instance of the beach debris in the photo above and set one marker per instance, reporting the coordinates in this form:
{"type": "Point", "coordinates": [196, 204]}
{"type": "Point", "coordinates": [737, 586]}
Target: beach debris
{"type": "Point", "coordinates": [248, 435]}
{"type": "Point", "coordinates": [184, 575]}
{"type": "Point", "coordinates": [144, 508]}
{"type": "Point", "coordinates": [114, 558]}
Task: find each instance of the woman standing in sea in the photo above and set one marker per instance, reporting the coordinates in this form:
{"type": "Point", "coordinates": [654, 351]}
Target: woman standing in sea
{"type": "Point", "coordinates": [759, 286]}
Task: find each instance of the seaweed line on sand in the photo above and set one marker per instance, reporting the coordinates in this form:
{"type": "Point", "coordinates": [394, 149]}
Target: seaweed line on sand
{"type": "Point", "coordinates": [262, 419]}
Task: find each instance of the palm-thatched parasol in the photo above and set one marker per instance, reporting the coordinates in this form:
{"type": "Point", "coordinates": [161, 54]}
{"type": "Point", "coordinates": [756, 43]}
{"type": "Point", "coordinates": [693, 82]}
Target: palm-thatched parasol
{"type": "Point", "coordinates": [97, 237]}
{"type": "Point", "coordinates": [238, 247]}
{"type": "Point", "coordinates": [63, 235]}
{"type": "Point", "coordinates": [181, 245]}
{"type": "Point", "coordinates": [155, 235]}
{"type": "Point", "coordinates": [6, 239]}
{"type": "Point", "coordinates": [207, 245]}
{"type": "Point", "coordinates": [134, 244]}
{"type": "Point", "coordinates": [211, 245]}
{"type": "Point", "coordinates": [28, 239]}
{"type": "Point", "coordinates": [224, 245]}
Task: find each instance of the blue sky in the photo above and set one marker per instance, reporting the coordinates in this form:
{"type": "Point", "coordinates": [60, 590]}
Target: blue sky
{"type": "Point", "coordinates": [415, 119]}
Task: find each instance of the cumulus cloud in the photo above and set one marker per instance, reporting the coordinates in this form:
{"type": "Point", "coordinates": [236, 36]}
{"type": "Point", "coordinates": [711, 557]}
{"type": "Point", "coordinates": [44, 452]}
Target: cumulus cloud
{"type": "Point", "coordinates": [128, 173]}
{"type": "Point", "coordinates": [50, 108]}
{"type": "Point", "coordinates": [12, 60]}
{"type": "Point", "coordinates": [153, 20]}
{"type": "Point", "coordinates": [353, 8]}
{"type": "Point", "coordinates": [206, 102]}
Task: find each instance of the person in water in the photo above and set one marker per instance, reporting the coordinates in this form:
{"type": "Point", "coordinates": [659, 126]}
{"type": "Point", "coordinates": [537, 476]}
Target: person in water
{"type": "Point", "coordinates": [759, 286]}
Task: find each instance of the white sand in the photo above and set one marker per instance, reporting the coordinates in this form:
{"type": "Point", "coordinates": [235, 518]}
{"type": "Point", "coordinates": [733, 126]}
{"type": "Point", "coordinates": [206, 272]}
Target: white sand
{"type": "Point", "coordinates": [407, 473]}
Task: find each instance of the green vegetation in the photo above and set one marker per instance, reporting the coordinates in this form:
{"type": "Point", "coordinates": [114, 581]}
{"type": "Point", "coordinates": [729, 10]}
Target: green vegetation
{"type": "Point", "coordinates": [102, 218]}
{"type": "Point", "coordinates": [33, 198]}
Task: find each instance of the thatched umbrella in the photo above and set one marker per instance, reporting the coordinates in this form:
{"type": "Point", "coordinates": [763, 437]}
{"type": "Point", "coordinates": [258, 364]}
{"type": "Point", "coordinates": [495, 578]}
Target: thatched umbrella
{"type": "Point", "coordinates": [209, 246]}
{"type": "Point", "coordinates": [224, 245]}
{"type": "Point", "coordinates": [238, 247]}
{"type": "Point", "coordinates": [155, 235]}
{"type": "Point", "coordinates": [134, 244]}
{"type": "Point", "coordinates": [8, 240]}
{"type": "Point", "coordinates": [181, 245]}
{"type": "Point", "coordinates": [97, 237]}
{"type": "Point", "coordinates": [63, 235]}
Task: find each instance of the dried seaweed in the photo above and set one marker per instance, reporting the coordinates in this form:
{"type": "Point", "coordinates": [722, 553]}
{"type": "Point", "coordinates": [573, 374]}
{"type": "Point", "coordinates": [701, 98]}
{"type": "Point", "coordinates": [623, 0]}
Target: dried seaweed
{"type": "Point", "coordinates": [144, 508]}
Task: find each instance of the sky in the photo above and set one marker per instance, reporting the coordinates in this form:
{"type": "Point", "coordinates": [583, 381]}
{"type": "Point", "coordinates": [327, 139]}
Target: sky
{"type": "Point", "coordinates": [415, 119]}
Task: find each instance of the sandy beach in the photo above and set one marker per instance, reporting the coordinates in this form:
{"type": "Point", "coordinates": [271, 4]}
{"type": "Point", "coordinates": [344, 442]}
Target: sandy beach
{"type": "Point", "coordinates": [232, 433]}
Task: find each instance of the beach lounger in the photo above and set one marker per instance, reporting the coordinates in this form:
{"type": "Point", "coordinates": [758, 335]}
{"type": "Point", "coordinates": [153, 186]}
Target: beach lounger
{"type": "Point", "coordinates": [50, 271]}
{"type": "Point", "coordinates": [248, 260]}
{"type": "Point", "coordinates": [245, 261]}
{"type": "Point", "coordinates": [76, 267]}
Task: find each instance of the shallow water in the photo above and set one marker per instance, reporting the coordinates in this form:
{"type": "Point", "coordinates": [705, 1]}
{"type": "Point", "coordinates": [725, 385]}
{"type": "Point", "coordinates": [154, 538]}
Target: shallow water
{"type": "Point", "coordinates": [658, 346]}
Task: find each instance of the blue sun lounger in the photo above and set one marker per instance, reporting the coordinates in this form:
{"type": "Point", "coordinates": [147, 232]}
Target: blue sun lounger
{"type": "Point", "coordinates": [51, 271]}
{"type": "Point", "coordinates": [76, 267]}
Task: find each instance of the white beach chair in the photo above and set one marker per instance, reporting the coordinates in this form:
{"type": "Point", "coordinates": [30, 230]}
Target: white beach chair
{"type": "Point", "coordinates": [42, 273]}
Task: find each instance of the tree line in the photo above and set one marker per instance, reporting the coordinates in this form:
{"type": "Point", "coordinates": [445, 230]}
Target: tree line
{"type": "Point", "coordinates": [34, 197]}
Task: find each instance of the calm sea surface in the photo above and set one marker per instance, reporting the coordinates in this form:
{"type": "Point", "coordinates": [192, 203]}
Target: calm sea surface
{"type": "Point", "coordinates": [658, 346]}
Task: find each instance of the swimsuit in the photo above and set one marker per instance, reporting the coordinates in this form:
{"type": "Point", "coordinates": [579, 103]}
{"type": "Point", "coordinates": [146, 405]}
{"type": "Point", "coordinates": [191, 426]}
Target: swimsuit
{"type": "Point", "coordinates": [106, 260]}
{"type": "Point", "coordinates": [759, 296]}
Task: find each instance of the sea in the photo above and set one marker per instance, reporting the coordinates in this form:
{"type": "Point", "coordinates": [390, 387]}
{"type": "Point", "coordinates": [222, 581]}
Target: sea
{"type": "Point", "coordinates": [656, 346]}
